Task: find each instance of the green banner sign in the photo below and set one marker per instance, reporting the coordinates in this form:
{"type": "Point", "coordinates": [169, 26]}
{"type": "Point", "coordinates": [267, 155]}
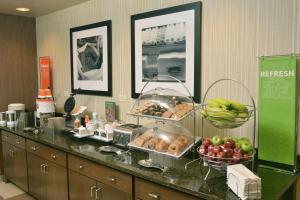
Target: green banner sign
{"type": "Point", "coordinates": [277, 109]}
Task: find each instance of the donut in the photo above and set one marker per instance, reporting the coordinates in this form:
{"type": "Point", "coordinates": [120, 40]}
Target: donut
{"type": "Point", "coordinates": [182, 139]}
{"type": "Point", "coordinates": [162, 145]}
{"type": "Point", "coordinates": [148, 134]}
{"type": "Point", "coordinates": [167, 114]}
{"type": "Point", "coordinates": [139, 142]}
{"type": "Point", "coordinates": [151, 144]}
{"type": "Point", "coordinates": [175, 148]}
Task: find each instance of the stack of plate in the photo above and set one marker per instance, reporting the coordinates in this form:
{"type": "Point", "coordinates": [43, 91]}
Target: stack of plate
{"type": "Point", "coordinates": [243, 182]}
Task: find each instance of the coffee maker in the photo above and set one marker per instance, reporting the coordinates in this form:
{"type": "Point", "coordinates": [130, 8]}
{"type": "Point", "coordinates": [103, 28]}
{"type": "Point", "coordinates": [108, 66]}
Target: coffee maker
{"type": "Point", "coordinates": [45, 108]}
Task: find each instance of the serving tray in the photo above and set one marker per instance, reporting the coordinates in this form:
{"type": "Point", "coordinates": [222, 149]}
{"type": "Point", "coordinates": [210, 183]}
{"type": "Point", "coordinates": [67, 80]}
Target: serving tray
{"type": "Point", "coordinates": [187, 148]}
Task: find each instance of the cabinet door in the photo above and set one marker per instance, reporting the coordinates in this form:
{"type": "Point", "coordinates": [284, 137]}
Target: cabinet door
{"type": "Point", "coordinates": [57, 182]}
{"type": "Point", "coordinates": [107, 192]}
{"type": "Point", "coordinates": [81, 187]}
{"type": "Point", "coordinates": [20, 168]}
{"type": "Point", "coordinates": [7, 161]}
{"type": "Point", "coordinates": [36, 177]}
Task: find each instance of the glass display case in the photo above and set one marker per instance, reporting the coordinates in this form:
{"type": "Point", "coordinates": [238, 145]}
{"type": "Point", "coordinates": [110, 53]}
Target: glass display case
{"type": "Point", "coordinates": [165, 135]}
{"type": "Point", "coordinates": [163, 104]}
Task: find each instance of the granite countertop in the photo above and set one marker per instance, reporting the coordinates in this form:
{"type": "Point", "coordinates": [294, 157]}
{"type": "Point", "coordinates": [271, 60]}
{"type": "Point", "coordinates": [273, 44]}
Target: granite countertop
{"type": "Point", "coordinates": [190, 181]}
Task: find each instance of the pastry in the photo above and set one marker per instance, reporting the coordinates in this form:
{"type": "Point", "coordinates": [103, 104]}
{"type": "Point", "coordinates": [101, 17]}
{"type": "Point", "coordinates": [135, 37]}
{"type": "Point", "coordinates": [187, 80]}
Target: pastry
{"type": "Point", "coordinates": [151, 144]}
{"type": "Point", "coordinates": [175, 148]}
{"type": "Point", "coordinates": [182, 139]}
{"type": "Point", "coordinates": [148, 134]}
{"type": "Point", "coordinates": [167, 114]}
{"type": "Point", "coordinates": [162, 145]}
{"type": "Point", "coordinates": [139, 142]}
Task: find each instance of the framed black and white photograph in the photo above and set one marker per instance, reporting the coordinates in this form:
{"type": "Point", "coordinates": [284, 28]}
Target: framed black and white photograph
{"type": "Point", "coordinates": [165, 49]}
{"type": "Point", "coordinates": [91, 59]}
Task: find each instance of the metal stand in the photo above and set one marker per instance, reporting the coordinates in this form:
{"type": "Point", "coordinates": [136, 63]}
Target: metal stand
{"type": "Point", "coordinates": [161, 120]}
{"type": "Point", "coordinates": [254, 116]}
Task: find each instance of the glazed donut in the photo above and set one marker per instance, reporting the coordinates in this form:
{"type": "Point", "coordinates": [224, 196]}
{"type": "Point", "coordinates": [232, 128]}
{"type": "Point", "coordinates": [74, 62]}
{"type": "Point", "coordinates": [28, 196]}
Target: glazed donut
{"type": "Point", "coordinates": [150, 144]}
{"type": "Point", "coordinates": [175, 148]}
{"type": "Point", "coordinates": [182, 139]}
{"type": "Point", "coordinates": [162, 145]}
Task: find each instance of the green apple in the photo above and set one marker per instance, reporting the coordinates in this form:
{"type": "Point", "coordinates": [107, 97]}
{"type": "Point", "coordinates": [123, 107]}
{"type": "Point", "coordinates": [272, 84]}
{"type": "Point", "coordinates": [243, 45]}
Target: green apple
{"type": "Point", "coordinates": [241, 140]}
{"type": "Point", "coordinates": [238, 144]}
{"type": "Point", "coordinates": [216, 140]}
{"type": "Point", "coordinates": [246, 146]}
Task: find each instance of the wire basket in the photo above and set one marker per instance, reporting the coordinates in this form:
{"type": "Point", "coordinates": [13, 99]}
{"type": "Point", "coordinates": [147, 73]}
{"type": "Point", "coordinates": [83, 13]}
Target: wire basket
{"type": "Point", "coordinates": [226, 119]}
{"type": "Point", "coordinates": [221, 164]}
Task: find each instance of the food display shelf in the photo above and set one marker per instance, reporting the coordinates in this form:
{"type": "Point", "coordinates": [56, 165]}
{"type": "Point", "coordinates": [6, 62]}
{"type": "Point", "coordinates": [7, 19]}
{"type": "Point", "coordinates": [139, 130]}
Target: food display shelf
{"type": "Point", "coordinates": [197, 107]}
{"type": "Point", "coordinates": [166, 153]}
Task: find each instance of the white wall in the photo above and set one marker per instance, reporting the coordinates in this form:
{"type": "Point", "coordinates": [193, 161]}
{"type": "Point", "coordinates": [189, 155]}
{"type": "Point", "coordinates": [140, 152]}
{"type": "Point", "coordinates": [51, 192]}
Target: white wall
{"type": "Point", "coordinates": [234, 33]}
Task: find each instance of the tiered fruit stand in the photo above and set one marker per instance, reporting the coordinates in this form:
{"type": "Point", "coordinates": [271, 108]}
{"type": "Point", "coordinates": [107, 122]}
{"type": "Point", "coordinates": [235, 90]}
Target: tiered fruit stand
{"type": "Point", "coordinates": [221, 164]}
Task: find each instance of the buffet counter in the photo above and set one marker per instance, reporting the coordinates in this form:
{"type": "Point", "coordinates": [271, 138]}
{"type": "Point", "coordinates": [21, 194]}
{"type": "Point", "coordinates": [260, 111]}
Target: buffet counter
{"type": "Point", "coordinates": [274, 183]}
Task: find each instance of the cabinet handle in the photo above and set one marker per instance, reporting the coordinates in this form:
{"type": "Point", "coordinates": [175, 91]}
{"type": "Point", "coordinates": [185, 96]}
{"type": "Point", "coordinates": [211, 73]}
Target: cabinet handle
{"type": "Point", "coordinates": [112, 179]}
{"type": "Point", "coordinates": [5, 136]}
{"type": "Point", "coordinates": [45, 168]}
{"type": "Point", "coordinates": [96, 191]}
{"type": "Point", "coordinates": [18, 142]}
{"type": "Point", "coordinates": [154, 195]}
{"type": "Point", "coordinates": [11, 153]}
{"type": "Point", "coordinates": [53, 156]}
{"type": "Point", "coordinates": [92, 190]}
{"type": "Point", "coordinates": [81, 166]}
{"type": "Point", "coordinates": [42, 167]}
{"type": "Point", "coordinates": [34, 148]}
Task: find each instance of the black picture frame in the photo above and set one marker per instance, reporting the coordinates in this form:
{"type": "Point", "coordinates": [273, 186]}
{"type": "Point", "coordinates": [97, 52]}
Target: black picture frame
{"type": "Point", "coordinates": [196, 7]}
{"type": "Point", "coordinates": [94, 85]}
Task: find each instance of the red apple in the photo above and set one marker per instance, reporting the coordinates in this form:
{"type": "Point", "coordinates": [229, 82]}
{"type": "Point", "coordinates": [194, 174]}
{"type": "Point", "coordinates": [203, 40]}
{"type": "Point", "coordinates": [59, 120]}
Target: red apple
{"type": "Point", "coordinates": [207, 142]}
{"type": "Point", "coordinates": [202, 149]}
{"type": "Point", "coordinates": [217, 149]}
{"type": "Point", "coordinates": [209, 156]}
{"type": "Point", "coordinates": [228, 152]}
{"type": "Point", "coordinates": [237, 157]}
{"type": "Point", "coordinates": [220, 155]}
{"type": "Point", "coordinates": [210, 148]}
{"type": "Point", "coordinates": [229, 143]}
{"type": "Point", "coordinates": [246, 157]}
{"type": "Point", "coordinates": [238, 150]}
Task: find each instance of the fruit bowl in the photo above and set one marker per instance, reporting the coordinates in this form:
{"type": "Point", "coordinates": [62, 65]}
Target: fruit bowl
{"type": "Point", "coordinates": [230, 114]}
{"type": "Point", "coordinates": [220, 152]}
{"type": "Point", "coordinates": [221, 164]}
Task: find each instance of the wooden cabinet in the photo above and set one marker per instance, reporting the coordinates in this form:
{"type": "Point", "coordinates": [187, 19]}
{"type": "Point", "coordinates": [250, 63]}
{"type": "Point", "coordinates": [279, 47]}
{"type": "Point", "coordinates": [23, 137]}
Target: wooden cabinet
{"type": "Point", "coordinates": [57, 182]}
{"type": "Point", "coordinates": [14, 160]}
{"type": "Point", "coordinates": [36, 178]}
{"type": "Point", "coordinates": [47, 179]}
{"type": "Point", "coordinates": [7, 161]}
{"type": "Point", "coordinates": [145, 190]}
{"type": "Point", "coordinates": [81, 187]}
{"type": "Point", "coordinates": [88, 180]}
{"type": "Point", "coordinates": [49, 174]}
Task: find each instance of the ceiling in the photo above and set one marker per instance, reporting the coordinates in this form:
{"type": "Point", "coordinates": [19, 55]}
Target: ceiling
{"type": "Point", "coordinates": [38, 7]}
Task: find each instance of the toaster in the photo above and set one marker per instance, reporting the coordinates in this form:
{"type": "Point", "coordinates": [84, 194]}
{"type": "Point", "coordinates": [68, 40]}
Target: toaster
{"type": "Point", "coordinates": [122, 134]}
